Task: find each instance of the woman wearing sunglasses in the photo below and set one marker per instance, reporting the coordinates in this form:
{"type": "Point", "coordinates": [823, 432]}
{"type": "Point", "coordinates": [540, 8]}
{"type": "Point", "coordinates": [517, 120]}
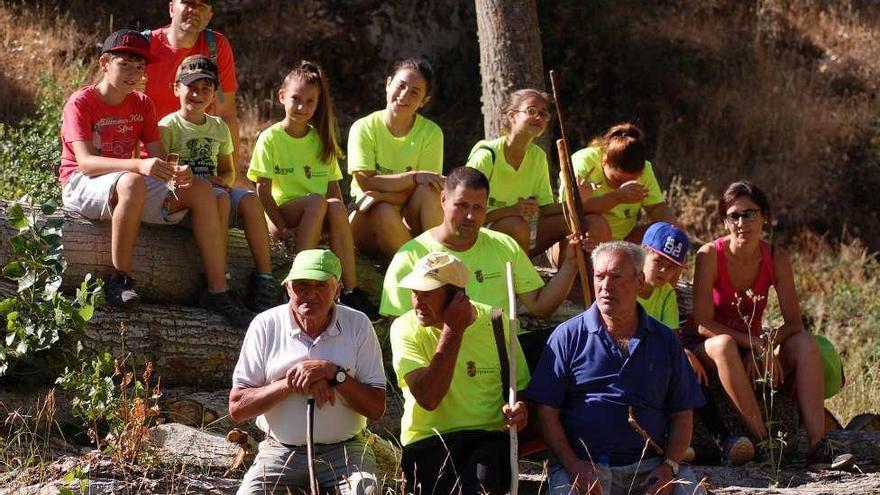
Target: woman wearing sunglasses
{"type": "Point", "coordinates": [732, 279]}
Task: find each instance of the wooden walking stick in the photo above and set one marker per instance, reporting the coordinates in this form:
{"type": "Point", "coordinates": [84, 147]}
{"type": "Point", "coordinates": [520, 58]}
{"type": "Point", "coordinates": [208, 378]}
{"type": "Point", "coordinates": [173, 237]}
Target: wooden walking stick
{"type": "Point", "coordinates": [634, 424]}
{"type": "Point", "coordinates": [512, 344]}
{"type": "Point", "coordinates": [572, 207]}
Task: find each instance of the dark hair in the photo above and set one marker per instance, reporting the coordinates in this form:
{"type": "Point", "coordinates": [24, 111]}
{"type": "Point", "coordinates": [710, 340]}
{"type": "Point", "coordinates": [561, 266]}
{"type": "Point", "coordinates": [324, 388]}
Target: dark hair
{"type": "Point", "coordinates": [311, 73]}
{"type": "Point", "coordinates": [743, 189]}
{"type": "Point", "coordinates": [515, 99]}
{"type": "Point", "coordinates": [468, 177]}
{"type": "Point", "coordinates": [622, 147]}
{"type": "Point", "coordinates": [419, 65]}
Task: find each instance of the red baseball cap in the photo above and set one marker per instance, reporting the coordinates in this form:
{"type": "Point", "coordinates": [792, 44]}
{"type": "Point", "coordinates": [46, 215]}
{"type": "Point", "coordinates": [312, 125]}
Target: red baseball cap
{"type": "Point", "coordinates": [128, 41]}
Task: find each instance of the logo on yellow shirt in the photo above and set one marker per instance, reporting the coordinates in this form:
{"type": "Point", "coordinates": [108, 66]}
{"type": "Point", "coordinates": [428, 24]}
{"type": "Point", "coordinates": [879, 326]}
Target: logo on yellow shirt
{"type": "Point", "coordinates": [471, 369]}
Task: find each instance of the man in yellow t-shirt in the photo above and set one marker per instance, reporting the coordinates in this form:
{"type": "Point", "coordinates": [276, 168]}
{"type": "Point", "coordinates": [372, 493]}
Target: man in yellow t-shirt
{"type": "Point", "coordinates": [464, 198]}
{"type": "Point", "coordinates": [449, 367]}
{"type": "Point", "coordinates": [617, 195]}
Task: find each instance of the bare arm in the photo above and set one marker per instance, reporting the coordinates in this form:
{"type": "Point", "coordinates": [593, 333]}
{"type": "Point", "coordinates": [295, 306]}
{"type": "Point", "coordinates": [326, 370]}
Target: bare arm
{"type": "Point", "coordinates": [679, 436]}
{"type": "Point", "coordinates": [273, 212]}
{"type": "Point", "coordinates": [430, 384]}
{"type": "Point", "coordinates": [225, 171]}
{"type": "Point", "coordinates": [365, 399]}
{"type": "Point", "coordinates": [247, 403]}
{"type": "Point", "coordinates": [661, 212]}
{"type": "Point", "coordinates": [554, 435]}
{"type": "Point", "coordinates": [544, 301]}
{"type": "Point", "coordinates": [91, 164]}
{"type": "Point", "coordinates": [333, 190]}
{"type": "Point", "coordinates": [369, 181]}
{"type": "Point", "coordinates": [788, 299]}
{"type": "Point", "coordinates": [704, 308]}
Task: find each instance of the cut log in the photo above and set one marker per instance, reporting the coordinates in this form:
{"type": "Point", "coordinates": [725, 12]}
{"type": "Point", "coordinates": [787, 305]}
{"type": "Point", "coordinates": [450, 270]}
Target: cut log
{"type": "Point", "coordinates": [176, 444]}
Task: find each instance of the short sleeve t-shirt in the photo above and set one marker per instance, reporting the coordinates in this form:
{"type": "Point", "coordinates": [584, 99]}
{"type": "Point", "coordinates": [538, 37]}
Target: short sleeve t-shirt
{"type": "Point", "coordinates": [474, 399]}
{"type": "Point", "coordinates": [293, 164]}
{"type": "Point", "coordinates": [197, 144]}
{"type": "Point", "coordinates": [113, 130]}
{"type": "Point", "coordinates": [372, 148]}
{"type": "Point", "coordinates": [486, 260]}
{"type": "Point", "coordinates": [662, 305]}
{"type": "Point", "coordinates": [161, 74]}
{"type": "Point", "coordinates": [274, 343]}
{"type": "Point", "coordinates": [587, 163]}
{"type": "Point", "coordinates": [507, 184]}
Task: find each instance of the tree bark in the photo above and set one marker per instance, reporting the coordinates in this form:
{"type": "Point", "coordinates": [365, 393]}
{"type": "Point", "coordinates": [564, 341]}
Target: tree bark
{"type": "Point", "coordinates": [510, 54]}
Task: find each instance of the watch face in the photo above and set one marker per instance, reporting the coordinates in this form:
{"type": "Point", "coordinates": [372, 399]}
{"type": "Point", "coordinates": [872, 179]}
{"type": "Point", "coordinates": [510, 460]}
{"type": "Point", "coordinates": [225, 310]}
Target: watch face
{"type": "Point", "coordinates": [340, 376]}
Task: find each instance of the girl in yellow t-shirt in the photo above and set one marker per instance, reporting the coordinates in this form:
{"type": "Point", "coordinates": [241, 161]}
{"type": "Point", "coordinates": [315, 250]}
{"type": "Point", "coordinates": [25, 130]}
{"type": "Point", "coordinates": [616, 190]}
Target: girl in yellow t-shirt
{"type": "Point", "coordinates": [521, 201]}
{"type": "Point", "coordinates": [395, 158]}
{"type": "Point", "coordinates": [297, 174]}
{"type": "Point", "coordinates": [616, 182]}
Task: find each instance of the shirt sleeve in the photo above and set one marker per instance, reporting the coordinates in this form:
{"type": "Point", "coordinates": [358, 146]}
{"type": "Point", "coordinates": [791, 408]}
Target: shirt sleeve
{"type": "Point", "coordinates": [684, 391]}
{"type": "Point", "coordinates": [361, 147]}
{"type": "Point", "coordinates": [395, 299]}
{"type": "Point", "coordinates": [250, 371]}
{"type": "Point", "coordinates": [150, 129]}
{"type": "Point", "coordinates": [655, 195]}
{"type": "Point", "coordinates": [549, 382]}
{"type": "Point", "coordinates": [481, 158]}
{"type": "Point", "coordinates": [431, 158]}
{"type": "Point", "coordinates": [75, 123]}
{"type": "Point", "coordinates": [261, 160]}
{"type": "Point", "coordinates": [369, 357]}
{"type": "Point", "coordinates": [226, 147]}
{"type": "Point", "coordinates": [405, 350]}
{"type": "Point", "coordinates": [226, 64]}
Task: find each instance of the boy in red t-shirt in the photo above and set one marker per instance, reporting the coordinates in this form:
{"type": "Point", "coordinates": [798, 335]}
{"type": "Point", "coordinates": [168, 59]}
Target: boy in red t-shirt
{"type": "Point", "coordinates": [102, 179]}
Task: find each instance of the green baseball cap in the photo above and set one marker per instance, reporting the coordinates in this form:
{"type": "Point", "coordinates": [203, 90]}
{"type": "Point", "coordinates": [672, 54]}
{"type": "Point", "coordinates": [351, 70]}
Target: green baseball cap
{"type": "Point", "coordinates": [314, 264]}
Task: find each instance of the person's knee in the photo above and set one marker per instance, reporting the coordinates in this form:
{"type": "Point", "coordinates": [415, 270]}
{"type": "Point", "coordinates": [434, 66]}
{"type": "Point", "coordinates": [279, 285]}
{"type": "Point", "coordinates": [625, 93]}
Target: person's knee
{"type": "Point", "coordinates": [721, 346]}
{"type": "Point", "coordinates": [336, 210]}
{"type": "Point", "coordinates": [315, 204]}
{"type": "Point", "coordinates": [424, 192]}
{"type": "Point", "coordinates": [598, 228]}
{"type": "Point", "coordinates": [131, 188]}
{"type": "Point", "coordinates": [385, 217]}
{"type": "Point", "coordinates": [801, 345]}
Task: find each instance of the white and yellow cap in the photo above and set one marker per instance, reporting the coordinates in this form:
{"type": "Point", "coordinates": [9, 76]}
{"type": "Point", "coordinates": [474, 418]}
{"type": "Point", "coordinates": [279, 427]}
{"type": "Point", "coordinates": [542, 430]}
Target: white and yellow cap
{"type": "Point", "coordinates": [435, 270]}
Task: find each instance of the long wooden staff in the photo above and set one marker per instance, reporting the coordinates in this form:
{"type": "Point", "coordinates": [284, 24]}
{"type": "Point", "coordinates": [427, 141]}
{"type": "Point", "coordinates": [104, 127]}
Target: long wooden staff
{"type": "Point", "coordinates": [572, 205]}
{"type": "Point", "coordinates": [512, 344]}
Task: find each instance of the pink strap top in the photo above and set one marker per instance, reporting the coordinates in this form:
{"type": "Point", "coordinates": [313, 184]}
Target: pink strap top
{"type": "Point", "coordinates": [737, 309]}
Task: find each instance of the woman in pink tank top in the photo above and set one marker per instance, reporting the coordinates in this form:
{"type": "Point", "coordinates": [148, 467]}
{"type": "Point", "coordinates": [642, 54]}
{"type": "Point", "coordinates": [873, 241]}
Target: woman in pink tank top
{"type": "Point", "coordinates": [732, 279]}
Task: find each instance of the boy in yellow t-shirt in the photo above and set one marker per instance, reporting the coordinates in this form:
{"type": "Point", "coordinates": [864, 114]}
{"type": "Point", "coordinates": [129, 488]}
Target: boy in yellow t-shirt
{"type": "Point", "coordinates": [296, 169]}
{"type": "Point", "coordinates": [616, 183]}
{"type": "Point", "coordinates": [204, 143]}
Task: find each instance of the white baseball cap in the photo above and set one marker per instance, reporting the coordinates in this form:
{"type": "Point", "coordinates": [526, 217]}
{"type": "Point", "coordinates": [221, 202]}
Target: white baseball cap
{"type": "Point", "coordinates": [435, 270]}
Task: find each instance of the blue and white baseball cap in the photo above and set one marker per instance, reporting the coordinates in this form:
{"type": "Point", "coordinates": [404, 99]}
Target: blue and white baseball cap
{"type": "Point", "coordinates": [668, 241]}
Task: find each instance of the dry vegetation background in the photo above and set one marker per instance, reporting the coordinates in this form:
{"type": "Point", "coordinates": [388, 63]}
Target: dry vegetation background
{"type": "Point", "coordinates": [781, 92]}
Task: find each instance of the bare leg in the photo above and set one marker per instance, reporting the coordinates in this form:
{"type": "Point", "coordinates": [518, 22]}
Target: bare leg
{"type": "Point", "coordinates": [723, 355]}
{"type": "Point", "coordinates": [128, 205]}
{"type": "Point", "coordinates": [516, 227]}
{"type": "Point", "coordinates": [223, 205]}
{"type": "Point", "coordinates": [253, 219]}
{"type": "Point", "coordinates": [379, 229]}
{"type": "Point", "coordinates": [598, 228]}
{"type": "Point", "coordinates": [307, 214]}
{"type": "Point", "coordinates": [551, 230]}
{"type": "Point", "coordinates": [800, 358]}
{"type": "Point", "coordinates": [423, 210]}
{"type": "Point", "coordinates": [341, 240]}
{"type": "Point", "coordinates": [199, 198]}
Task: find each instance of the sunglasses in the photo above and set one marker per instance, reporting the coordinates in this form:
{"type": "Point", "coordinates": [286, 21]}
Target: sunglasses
{"type": "Point", "coordinates": [746, 215]}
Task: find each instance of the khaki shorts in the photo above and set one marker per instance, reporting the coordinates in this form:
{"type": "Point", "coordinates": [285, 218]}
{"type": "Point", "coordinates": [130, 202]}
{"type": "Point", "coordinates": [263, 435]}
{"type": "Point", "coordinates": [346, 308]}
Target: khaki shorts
{"type": "Point", "coordinates": [90, 197]}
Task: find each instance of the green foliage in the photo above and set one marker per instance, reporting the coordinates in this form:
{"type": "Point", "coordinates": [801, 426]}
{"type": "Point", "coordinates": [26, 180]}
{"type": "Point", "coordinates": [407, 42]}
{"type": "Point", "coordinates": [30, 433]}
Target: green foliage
{"type": "Point", "coordinates": [31, 152]}
{"type": "Point", "coordinates": [39, 314]}
{"type": "Point", "coordinates": [78, 475]}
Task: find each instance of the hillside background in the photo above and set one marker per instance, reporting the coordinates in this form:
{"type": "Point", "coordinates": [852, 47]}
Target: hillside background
{"type": "Point", "coordinates": [781, 92]}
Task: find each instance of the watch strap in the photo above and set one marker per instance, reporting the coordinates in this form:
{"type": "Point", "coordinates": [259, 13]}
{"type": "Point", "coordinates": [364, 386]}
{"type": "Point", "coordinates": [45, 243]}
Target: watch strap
{"type": "Point", "coordinates": [672, 465]}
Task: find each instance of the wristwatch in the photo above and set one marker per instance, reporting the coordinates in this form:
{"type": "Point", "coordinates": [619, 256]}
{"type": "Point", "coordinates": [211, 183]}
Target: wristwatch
{"type": "Point", "coordinates": [672, 465]}
{"type": "Point", "coordinates": [339, 376]}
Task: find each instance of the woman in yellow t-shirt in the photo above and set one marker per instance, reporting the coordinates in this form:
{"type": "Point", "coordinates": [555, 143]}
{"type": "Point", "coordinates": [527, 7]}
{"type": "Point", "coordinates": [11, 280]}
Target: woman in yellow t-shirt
{"type": "Point", "coordinates": [521, 201]}
{"type": "Point", "coordinates": [616, 182]}
{"type": "Point", "coordinates": [296, 169]}
{"type": "Point", "coordinates": [395, 158]}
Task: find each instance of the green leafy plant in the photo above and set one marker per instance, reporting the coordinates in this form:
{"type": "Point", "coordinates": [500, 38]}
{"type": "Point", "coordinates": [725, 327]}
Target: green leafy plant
{"type": "Point", "coordinates": [39, 314]}
{"type": "Point", "coordinates": [110, 399]}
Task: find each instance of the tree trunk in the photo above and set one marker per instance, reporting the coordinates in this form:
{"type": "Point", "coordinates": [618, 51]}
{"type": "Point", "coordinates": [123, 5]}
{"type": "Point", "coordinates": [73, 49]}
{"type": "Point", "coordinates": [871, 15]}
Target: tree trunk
{"type": "Point", "coordinates": [167, 265]}
{"type": "Point", "coordinates": [510, 54]}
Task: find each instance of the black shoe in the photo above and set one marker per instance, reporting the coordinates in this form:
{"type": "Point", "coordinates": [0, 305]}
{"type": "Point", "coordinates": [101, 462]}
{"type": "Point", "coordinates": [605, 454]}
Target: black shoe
{"type": "Point", "coordinates": [119, 290]}
{"type": "Point", "coordinates": [263, 293]}
{"type": "Point", "coordinates": [827, 455]}
{"type": "Point", "coordinates": [222, 304]}
{"type": "Point", "coordinates": [357, 299]}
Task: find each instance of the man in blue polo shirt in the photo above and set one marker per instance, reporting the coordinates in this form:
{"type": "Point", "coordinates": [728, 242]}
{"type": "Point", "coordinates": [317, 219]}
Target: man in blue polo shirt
{"type": "Point", "coordinates": [596, 367]}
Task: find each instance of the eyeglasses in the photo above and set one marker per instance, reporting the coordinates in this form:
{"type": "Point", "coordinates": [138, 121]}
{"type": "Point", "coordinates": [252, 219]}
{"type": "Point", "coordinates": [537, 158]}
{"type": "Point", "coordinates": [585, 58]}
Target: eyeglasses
{"type": "Point", "coordinates": [534, 112]}
{"type": "Point", "coordinates": [746, 215]}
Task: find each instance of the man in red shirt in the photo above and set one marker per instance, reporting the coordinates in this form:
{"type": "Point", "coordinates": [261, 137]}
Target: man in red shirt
{"type": "Point", "coordinates": [186, 35]}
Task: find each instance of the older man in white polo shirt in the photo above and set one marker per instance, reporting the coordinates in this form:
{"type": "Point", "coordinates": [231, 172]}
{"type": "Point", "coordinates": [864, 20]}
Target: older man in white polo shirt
{"type": "Point", "coordinates": [310, 346]}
